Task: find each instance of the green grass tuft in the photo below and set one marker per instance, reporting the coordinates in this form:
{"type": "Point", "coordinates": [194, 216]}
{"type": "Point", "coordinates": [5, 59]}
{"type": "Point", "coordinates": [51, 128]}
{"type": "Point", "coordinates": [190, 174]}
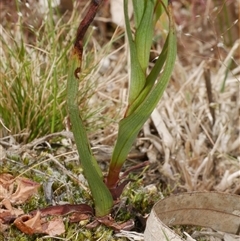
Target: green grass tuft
{"type": "Point", "coordinates": [33, 72]}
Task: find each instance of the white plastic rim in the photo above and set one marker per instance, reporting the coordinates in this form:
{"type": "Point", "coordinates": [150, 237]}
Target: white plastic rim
{"type": "Point", "coordinates": [158, 231]}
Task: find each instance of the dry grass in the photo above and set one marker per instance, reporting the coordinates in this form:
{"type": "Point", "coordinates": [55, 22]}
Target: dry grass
{"type": "Point", "coordinates": [199, 132]}
{"type": "Point", "coordinates": [200, 146]}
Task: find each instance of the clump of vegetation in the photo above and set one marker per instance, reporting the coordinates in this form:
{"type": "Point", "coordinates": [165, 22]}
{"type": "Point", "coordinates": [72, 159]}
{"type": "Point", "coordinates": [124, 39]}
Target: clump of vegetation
{"type": "Point", "coordinates": [34, 66]}
{"type": "Point", "coordinates": [145, 91]}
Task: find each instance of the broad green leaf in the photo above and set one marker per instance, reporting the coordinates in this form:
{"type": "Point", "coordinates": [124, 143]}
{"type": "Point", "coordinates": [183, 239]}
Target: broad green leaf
{"type": "Point", "coordinates": [151, 78]}
{"type": "Point", "coordinates": [101, 195]}
{"type": "Point", "coordinates": [138, 9]}
{"type": "Point", "coordinates": [130, 126]}
{"type": "Point", "coordinates": [144, 35]}
{"type": "Point", "coordinates": [137, 77]}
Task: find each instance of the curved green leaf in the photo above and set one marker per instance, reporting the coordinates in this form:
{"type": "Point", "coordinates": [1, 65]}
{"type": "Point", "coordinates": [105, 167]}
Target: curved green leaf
{"type": "Point", "coordinates": [144, 35]}
{"type": "Point", "coordinates": [130, 126]}
{"type": "Point", "coordinates": [151, 78]}
{"type": "Point", "coordinates": [137, 78]}
{"type": "Point", "coordinates": [101, 195]}
{"type": "Point", "coordinates": [138, 10]}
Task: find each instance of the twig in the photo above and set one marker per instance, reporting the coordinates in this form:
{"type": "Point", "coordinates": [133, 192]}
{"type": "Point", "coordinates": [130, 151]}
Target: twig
{"type": "Point", "coordinates": [207, 77]}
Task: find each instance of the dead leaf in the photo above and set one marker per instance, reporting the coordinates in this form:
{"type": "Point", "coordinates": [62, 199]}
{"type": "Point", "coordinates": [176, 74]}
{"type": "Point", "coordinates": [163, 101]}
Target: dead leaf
{"type": "Point", "coordinates": [54, 227]}
{"type": "Point", "coordinates": [29, 224]}
{"type": "Point", "coordinates": [35, 222]}
{"type": "Point", "coordinates": [77, 217]}
{"type": "Point", "coordinates": [8, 212]}
{"type": "Point", "coordinates": [6, 185]}
{"type": "Point", "coordinates": [3, 227]}
{"type": "Point", "coordinates": [25, 189]}
{"type": "Point", "coordinates": [64, 210]}
{"type": "Point", "coordinates": [110, 222]}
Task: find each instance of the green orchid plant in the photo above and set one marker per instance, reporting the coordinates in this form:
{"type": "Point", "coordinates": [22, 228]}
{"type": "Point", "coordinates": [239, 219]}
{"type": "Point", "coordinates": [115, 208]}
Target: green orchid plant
{"type": "Point", "coordinates": [145, 91]}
